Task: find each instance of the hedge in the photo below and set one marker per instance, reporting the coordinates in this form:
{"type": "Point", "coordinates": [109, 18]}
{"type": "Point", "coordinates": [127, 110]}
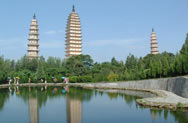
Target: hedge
{"type": "Point", "coordinates": [80, 79]}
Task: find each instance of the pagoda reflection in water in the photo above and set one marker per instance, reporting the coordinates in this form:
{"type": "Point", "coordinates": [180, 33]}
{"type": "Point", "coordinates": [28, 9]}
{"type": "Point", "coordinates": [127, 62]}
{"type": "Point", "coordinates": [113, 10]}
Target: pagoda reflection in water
{"type": "Point", "coordinates": [74, 110]}
{"type": "Point", "coordinates": [33, 109]}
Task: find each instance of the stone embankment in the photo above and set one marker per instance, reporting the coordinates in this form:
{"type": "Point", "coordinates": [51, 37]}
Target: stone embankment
{"type": "Point", "coordinates": [170, 93]}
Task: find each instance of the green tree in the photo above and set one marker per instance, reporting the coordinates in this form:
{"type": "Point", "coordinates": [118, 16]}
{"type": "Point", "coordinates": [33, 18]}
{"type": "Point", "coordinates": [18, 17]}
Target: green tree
{"type": "Point", "coordinates": [184, 48]}
{"type": "Point", "coordinates": [112, 77]}
{"type": "Point", "coordinates": [40, 70]}
{"type": "Point", "coordinates": [152, 69]}
{"type": "Point", "coordinates": [79, 65]}
{"type": "Point", "coordinates": [166, 67]}
{"type": "Point", "coordinates": [179, 64]}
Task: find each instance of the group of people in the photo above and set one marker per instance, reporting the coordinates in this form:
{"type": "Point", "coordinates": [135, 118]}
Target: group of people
{"type": "Point", "coordinates": [64, 79]}
{"type": "Point", "coordinates": [43, 80]}
{"type": "Point", "coordinates": [16, 80]}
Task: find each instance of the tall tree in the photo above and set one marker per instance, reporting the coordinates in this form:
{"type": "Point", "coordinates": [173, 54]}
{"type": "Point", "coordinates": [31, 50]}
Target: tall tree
{"type": "Point", "coordinates": [184, 48]}
{"type": "Point", "coordinates": [40, 70]}
{"type": "Point", "coordinates": [166, 67]}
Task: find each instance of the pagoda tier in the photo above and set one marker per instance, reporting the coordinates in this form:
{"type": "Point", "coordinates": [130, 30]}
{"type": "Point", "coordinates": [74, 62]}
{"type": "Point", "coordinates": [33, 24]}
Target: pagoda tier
{"type": "Point", "coordinates": [73, 35]}
{"type": "Point", "coordinates": [154, 43]}
{"type": "Point", "coordinates": [33, 46]}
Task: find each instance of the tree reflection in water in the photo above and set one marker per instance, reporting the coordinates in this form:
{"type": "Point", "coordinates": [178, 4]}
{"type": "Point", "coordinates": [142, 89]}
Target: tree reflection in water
{"type": "Point", "coordinates": [4, 96]}
{"type": "Point", "coordinates": [179, 116]}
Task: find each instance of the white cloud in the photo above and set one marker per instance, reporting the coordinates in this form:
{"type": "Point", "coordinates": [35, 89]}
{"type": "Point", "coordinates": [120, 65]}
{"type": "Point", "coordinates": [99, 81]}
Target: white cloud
{"type": "Point", "coordinates": [13, 43]}
{"type": "Point", "coordinates": [13, 48]}
{"type": "Point", "coordinates": [51, 32]}
{"type": "Point", "coordinates": [52, 44]}
{"type": "Point", "coordinates": [60, 31]}
{"type": "Point", "coordinates": [119, 42]}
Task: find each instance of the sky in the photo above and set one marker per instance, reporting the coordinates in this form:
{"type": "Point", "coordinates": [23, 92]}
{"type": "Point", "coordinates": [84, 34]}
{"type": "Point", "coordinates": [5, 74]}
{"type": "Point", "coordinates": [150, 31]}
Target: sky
{"type": "Point", "coordinates": [110, 28]}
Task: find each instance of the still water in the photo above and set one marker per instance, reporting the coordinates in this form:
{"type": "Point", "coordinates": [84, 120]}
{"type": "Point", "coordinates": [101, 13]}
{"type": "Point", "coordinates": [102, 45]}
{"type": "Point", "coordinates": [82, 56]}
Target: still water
{"type": "Point", "coordinates": [76, 105]}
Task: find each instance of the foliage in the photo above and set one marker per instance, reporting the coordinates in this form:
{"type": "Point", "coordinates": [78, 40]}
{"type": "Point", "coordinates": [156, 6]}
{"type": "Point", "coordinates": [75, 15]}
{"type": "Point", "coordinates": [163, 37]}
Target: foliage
{"type": "Point", "coordinates": [81, 68]}
{"type": "Point", "coordinates": [112, 77]}
{"type": "Point", "coordinates": [179, 105]}
{"type": "Point", "coordinates": [78, 79]}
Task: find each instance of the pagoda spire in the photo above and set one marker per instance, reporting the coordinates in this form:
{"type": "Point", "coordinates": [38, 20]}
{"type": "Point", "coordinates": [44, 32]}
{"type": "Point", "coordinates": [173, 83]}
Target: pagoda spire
{"type": "Point", "coordinates": [73, 8]}
{"type": "Point", "coordinates": [34, 16]}
{"type": "Point", "coordinates": [152, 29]}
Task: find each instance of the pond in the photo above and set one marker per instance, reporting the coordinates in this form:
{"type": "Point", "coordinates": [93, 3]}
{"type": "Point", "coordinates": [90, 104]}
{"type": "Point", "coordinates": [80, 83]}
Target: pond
{"type": "Point", "coordinates": [77, 105]}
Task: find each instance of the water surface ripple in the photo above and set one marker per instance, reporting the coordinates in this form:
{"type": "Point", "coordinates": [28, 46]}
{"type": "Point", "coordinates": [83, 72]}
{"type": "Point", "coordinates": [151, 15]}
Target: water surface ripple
{"type": "Point", "coordinates": [77, 105]}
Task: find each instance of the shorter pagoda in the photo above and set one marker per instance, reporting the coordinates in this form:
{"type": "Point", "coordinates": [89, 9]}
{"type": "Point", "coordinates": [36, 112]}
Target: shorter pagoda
{"type": "Point", "coordinates": [33, 46]}
{"type": "Point", "coordinates": [154, 43]}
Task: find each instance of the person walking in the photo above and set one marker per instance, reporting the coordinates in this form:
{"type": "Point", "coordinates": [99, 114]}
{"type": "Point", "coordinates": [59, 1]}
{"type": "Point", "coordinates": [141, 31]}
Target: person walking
{"type": "Point", "coordinates": [63, 79]}
{"type": "Point", "coordinates": [67, 80]}
{"type": "Point", "coordinates": [54, 80]}
{"type": "Point", "coordinates": [9, 80]}
{"type": "Point", "coordinates": [17, 80]}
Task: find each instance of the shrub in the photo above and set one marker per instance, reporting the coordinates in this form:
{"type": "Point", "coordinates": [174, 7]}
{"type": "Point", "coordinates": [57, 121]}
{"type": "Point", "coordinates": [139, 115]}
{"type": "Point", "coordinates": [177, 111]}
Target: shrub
{"type": "Point", "coordinates": [98, 78]}
{"type": "Point", "coordinates": [73, 79]}
{"type": "Point", "coordinates": [112, 77]}
{"type": "Point", "coordinates": [179, 105]}
{"type": "Point", "coordinates": [79, 79]}
{"type": "Point", "coordinates": [86, 78]}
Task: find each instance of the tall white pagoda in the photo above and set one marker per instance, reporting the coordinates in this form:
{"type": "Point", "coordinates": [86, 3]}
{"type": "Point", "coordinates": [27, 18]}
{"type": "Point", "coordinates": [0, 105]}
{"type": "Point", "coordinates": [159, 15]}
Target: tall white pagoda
{"type": "Point", "coordinates": [73, 35]}
{"type": "Point", "coordinates": [154, 43]}
{"type": "Point", "coordinates": [33, 46]}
